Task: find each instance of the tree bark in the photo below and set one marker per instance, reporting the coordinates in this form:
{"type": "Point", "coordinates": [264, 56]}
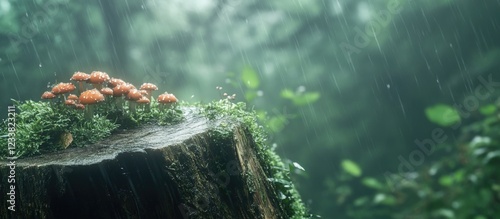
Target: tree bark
{"type": "Point", "coordinates": [189, 170]}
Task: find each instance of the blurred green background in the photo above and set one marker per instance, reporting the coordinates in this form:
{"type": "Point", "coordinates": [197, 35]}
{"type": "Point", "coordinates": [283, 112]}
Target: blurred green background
{"type": "Point", "coordinates": [346, 88]}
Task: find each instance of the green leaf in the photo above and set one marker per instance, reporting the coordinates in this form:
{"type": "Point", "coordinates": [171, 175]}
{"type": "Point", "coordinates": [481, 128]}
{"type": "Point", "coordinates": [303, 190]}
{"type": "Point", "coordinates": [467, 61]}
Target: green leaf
{"type": "Point", "coordinates": [250, 95]}
{"type": "Point", "coordinates": [287, 94]}
{"type": "Point", "coordinates": [298, 166]}
{"type": "Point", "coordinates": [442, 115]}
{"type": "Point", "coordinates": [381, 198]}
{"type": "Point", "coordinates": [491, 155]}
{"type": "Point", "coordinates": [306, 98]}
{"type": "Point", "coordinates": [443, 213]}
{"type": "Point", "coordinates": [250, 78]}
{"type": "Point", "coordinates": [449, 180]}
{"type": "Point", "coordinates": [276, 123]}
{"type": "Point", "coordinates": [351, 168]}
{"type": "Point", "coordinates": [279, 181]}
{"type": "Point", "coordinates": [488, 109]}
{"type": "Point", "coordinates": [361, 201]}
{"type": "Point", "coordinates": [372, 183]}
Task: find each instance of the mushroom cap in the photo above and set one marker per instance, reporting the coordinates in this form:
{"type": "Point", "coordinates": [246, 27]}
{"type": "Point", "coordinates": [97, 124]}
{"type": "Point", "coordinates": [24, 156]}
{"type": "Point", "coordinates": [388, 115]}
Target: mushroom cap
{"type": "Point", "coordinates": [134, 94]}
{"type": "Point", "coordinates": [48, 95]}
{"type": "Point", "coordinates": [121, 89]}
{"type": "Point", "coordinates": [91, 97]}
{"type": "Point", "coordinates": [143, 100]}
{"type": "Point", "coordinates": [72, 97]}
{"type": "Point", "coordinates": [148, 87]}
{"type": "Point", "coordinates": [80, 76]}
{"type": "Point", "coordinates": [113, 82]}
{"type": "Point", "coordinates": [98, 77]}
{"type": "Point", "coordinates": [143, 92]}
{"type": "Point", "coordinates": [167, 98]}
{"type": "Point", "coordinates": [131, 86]}
{"type": "Point", "coordinates": [107, 91]}
{"type": "Point", "coordinates": [69, 102]}
{"type": "Point", "coordinates": [62, 88]}
{"type": "Point", "coordinates": [79, 106]}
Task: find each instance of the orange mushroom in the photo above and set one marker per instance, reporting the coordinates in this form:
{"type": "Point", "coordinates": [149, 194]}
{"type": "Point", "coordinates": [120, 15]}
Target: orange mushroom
{"type": "Point", "coordinates": [133, 95]}
{"type": "Point", "coordinates": [149, 88]}
{"type": "Point", "coordinates": [144, 101]}
{"type": "Point", "coordinates": [120, 90]}
{"type": "Point", "coordinates": [97, 78]}
{"type": "Point", "coordinates": [107, 91]}
{"type": "Point", "coordinates": [48, 95]}
{"type": "Point", "coordinates": [79, 106]}
{"type": "Point", "coordinates": [63, 88]}
{"type": "Point", "coordinates": [80, 77]}
{"type": "Point", "coordinates": [167, 100]}
{"type": "Point", "coordinates": [113, 82]}
{"type": "Point", "coordinates": [73, 97]}
{"type": "Point", "coordinates": [89, 98]}
{"type": "Point", "coordinates": [69, 102]}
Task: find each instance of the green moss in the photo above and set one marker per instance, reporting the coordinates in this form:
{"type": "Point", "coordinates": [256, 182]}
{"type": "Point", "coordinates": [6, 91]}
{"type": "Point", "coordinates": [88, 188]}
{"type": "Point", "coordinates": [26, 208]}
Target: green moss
{"type": "Point", "coordinates": [275, 169]}
{"type": "Point", "coordinates": [127, 120]}
{"type": "Point", "coordinates": [41, 126]}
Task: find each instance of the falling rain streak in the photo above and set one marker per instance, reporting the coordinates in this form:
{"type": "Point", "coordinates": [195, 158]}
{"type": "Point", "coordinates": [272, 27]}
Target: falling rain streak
{"type": "Point", "coordinates": [350, 89]}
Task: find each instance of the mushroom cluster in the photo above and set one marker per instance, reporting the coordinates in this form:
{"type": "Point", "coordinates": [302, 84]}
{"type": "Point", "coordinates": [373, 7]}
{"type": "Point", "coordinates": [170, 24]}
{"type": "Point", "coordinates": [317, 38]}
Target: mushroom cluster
{"type": "Point", "coordinates": [103, 86]}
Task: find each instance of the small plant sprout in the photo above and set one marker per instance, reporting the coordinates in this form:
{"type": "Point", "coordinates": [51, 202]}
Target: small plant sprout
{"type": "Point", "coordinates": [219, 88]}
{"type": "Point", "coordinates": [80, 77]}
{"type": "Point", "coordinates": [230, 97]}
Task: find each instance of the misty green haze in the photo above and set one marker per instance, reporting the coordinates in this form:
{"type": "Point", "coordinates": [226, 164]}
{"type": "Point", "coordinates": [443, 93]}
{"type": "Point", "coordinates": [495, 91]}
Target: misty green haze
{"type": "Point", "coordinates": [384, 103]}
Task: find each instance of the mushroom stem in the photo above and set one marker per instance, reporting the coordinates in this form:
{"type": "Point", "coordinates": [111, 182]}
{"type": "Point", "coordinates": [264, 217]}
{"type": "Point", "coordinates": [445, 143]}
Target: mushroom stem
{"type": "Point", "coordinates": [89, 112]}
{"type": "Point", "coordinates": [131, 106]}
{"type": "Point", "coordinates": [148, 95]}
{"type": "Point", "coordinates": [80, 87]}
{"type": "Point", "coordinates": [97, 86]}
{"type": "Point", "coordinates": [119, 104]}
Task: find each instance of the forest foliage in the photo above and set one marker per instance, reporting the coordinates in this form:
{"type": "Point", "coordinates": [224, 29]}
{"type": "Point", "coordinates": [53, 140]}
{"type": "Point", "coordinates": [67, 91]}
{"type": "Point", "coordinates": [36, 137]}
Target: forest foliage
{"type": "Point", "coordinates": [346, 119]}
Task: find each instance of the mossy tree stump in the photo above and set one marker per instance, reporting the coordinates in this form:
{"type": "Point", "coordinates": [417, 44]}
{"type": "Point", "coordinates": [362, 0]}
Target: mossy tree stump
{"type": "Point", "coordinates": [196, 169]}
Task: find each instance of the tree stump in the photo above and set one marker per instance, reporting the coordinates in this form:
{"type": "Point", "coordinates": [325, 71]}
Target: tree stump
{"type": "Point", "coordinates": [188, 170]}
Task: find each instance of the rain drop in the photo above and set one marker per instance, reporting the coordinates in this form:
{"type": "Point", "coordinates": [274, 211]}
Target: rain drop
{"type": "Point", "coordinates": [301, 89]}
